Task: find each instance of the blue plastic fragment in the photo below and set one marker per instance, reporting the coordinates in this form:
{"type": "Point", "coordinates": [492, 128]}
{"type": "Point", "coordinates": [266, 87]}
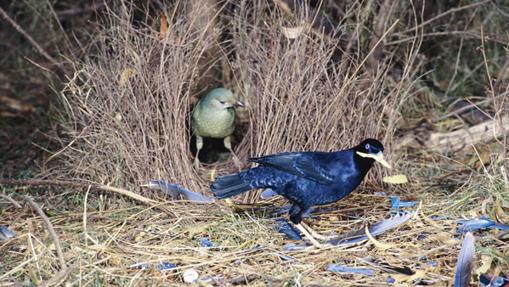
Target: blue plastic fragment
{"type": "Point", "coordinates": [163, 266]}
{"type": "Point", "coordinates": [141, 265]}
{"type": "Point", "coordinates": [6, 233]}
{"type": "Point", "coordinates": [487, 280]}
{"type": "Point", "coordinates": [391, 280]}
{"type": "Point", "coordinates": [467, 225]}
{"type": "Point", "coordinates": [352, 270]}
{"type": "Point", "coordinates": [282, 226]}
{"type": "Point", "coordinates": [205, 242]}
{"type": "Point", "coordinates": [396, 203]}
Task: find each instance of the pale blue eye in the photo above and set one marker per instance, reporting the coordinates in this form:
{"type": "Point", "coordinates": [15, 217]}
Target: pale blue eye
{"type": "Point", "coordinates": [367, 146]}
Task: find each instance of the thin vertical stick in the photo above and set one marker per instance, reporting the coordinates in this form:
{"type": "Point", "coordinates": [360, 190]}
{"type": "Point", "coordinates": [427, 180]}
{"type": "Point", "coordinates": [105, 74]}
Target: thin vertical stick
{"type": "Point", "coordinates": [51, 230]}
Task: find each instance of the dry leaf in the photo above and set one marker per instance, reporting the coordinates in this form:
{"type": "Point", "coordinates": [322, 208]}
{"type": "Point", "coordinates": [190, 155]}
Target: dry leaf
{"type": "Point", "coordinates": [125, 76]}
{"type": "Point", "coordinates": [379, 157]}
{"type": "Point", "coordinates": [486, 264]}
{"type": "Point", "coordinates": [283, 6]}
{"type": "Point", "coordinates": [190, 275]}
{"type": "Point", "coordinates": [395, 179]}
{"type": "Point", "coordinates": [292, 32]}
{"type": "Point", "coordinates": [403, 278]}
{"type": "Point", "coordinates": [163, 30]}
{"type": "Point", "coordinates": [446, 238]}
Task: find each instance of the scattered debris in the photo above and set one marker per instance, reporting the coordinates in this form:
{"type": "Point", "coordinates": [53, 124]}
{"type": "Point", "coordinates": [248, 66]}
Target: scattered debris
{"type": "Point", "coordinates": [190, 275]}
{"type": "Point", "coordinates": [488, 280]}
{"type": "Point", "coordinates": [176, 191]}
{"type": "Point", "coordinates": [395, 179]}
{"type": "Point", "coordinates": [465, 262]}
{"type": "Point", "coordinates": [162, 266]}
{"type": "Point", "coordinates": [284, 227]}
{"type": "Point", "coordinates": [292, 32]}
{"type": "Point", "coordinates": [205, 242]}
{"type": "Point", "coordinates": [6, 233]}
{"type": "Point", "coordinates": [351, 270]}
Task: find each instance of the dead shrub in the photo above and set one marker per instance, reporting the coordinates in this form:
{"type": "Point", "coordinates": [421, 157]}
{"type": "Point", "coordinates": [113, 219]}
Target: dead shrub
{"type": "Point", "coordinates": [127, 106]}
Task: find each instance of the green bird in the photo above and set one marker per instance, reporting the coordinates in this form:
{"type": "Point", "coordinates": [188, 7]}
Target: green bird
{"type": "Point", "coordinates": [214, 117]}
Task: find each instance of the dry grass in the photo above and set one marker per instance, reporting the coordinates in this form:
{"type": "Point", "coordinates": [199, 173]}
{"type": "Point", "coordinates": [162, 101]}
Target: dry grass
{"type": "Point", "coordinates": [101, 236]}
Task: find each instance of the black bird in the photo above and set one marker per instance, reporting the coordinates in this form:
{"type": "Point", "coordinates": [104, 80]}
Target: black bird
{"type": "Point", "coordinates": [305, 178]}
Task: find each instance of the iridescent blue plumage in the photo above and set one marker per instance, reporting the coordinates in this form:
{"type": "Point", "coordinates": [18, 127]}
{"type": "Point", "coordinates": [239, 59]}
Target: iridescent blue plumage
{"type": "Point", "coordinates": [304, 178]}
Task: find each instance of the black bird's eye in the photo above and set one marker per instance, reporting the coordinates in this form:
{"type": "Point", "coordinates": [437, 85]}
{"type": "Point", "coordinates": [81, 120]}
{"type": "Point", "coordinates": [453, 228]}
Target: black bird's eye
{"type": "Point", "coordinates": [222, 102]}
{"type": "Point", "coordinates": [366, 146]}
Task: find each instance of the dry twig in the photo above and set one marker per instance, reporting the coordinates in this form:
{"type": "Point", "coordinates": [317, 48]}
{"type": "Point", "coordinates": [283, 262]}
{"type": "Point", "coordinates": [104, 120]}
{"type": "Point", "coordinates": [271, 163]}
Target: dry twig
{"type": "Point", "coordinates": [29, 38]}
{"type": "Point", "coordinates": [41, 182]}
{"type": "Point", "coordinates": [11, 200]}
{"type": "Point", "coordinates": [51, 230]}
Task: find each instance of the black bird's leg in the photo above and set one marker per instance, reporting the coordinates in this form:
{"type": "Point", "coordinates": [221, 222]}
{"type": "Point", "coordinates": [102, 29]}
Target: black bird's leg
{"type": "Point", "coordinates": [296, 213]}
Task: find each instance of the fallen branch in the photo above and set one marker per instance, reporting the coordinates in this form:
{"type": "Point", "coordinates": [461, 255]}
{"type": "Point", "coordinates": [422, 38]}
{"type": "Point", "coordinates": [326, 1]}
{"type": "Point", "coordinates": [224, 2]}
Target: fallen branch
{"type": "Point", "coordinates": [459, 139]}
{"type": "Point", "coordinates": [51, 230]}
{"type": "Point", "coordinates": [48, 182]}
{"type": "Point", "coordinates": [28, 37]}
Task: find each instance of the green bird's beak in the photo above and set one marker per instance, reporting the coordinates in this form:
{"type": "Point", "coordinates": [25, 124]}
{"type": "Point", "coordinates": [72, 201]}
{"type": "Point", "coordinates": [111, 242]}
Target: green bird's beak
{"type": "Point", "coordinates": [379, 157]}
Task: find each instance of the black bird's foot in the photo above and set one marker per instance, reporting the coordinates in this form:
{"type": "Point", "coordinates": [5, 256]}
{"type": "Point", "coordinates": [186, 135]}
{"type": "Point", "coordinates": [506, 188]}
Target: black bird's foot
{"type": "Point", "coordinates": [315, 234]}
{"type": "Point", "coordinates": [311, 238]}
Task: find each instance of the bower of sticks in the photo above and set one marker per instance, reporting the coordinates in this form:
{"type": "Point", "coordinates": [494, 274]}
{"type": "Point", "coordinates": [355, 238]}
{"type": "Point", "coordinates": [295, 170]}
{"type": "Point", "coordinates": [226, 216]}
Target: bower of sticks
{"type": "Point", "coordinates": [314, 76]}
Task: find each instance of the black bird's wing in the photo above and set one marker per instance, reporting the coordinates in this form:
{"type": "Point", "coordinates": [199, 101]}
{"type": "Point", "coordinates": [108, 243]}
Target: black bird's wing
{"type": "Point", "coordinates": [309, 165]}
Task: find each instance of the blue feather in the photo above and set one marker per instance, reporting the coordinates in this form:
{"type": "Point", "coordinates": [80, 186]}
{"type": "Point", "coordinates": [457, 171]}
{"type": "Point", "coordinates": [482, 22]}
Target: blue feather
{"type": "Point", "coordinates": [376, 229]}
{"type": "Point", "coordinates": [351, 270]}
{"type": "Point", "coordinates": [465, 262]}
{"type": "Point", "coordinates": [176, 191]}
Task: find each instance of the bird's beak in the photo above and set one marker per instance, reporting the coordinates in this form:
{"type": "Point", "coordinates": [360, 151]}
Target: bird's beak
{"type": "Point", "coordinates": [379, 157]}
{"type": "Point", "coordinates": [239, 104]}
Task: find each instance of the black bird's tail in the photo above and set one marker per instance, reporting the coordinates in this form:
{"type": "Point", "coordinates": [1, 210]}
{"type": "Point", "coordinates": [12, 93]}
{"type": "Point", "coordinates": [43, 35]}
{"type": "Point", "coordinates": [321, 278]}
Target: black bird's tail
{"type": "Point", "coordinates": [229, 185]}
